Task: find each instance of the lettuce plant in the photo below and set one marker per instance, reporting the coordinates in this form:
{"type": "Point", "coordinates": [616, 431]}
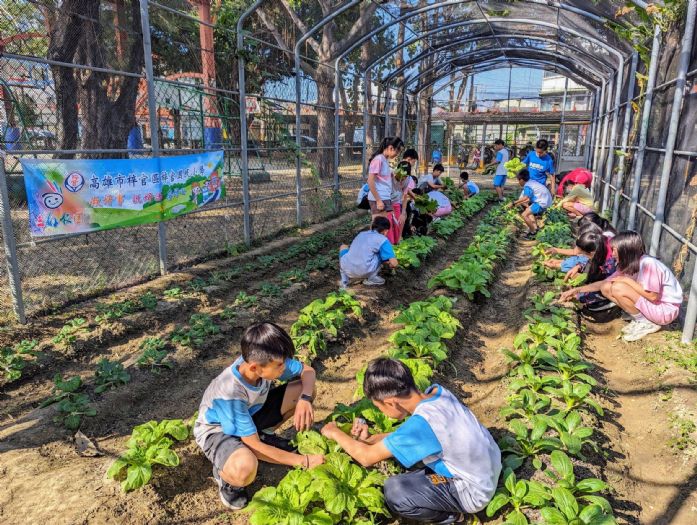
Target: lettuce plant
{"type": "Point", "coordinates": [110, 374]}
{"type": "Point", "coordinates": [519, 494]}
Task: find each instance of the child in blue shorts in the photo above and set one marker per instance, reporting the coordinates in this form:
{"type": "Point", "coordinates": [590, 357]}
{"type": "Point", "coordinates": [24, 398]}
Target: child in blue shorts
{"type": "Point", "coordinates": [242, 403]}
{"type": "Point", "coordinates": [535, 197]}
{"type": "Point", "coordinates": [469, 188]}
{"type": "Point", "coordinates": [502, 156]}
{"type": "Point", "coordinates": [461, 460]}
{"type": "Point", "coordinates": [366, 255]}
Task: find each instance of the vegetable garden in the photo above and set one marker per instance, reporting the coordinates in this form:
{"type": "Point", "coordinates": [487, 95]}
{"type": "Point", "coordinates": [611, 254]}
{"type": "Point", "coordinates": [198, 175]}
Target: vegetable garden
{"type": "Point", "coordinates": [78, 387]}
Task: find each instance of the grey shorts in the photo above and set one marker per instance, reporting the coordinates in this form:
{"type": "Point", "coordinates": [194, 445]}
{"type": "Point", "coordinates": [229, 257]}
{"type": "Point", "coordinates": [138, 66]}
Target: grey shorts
{"type": "Point", "coordinates": [218, 446]}
{"type": "Point", "coordinates": [374, 206]}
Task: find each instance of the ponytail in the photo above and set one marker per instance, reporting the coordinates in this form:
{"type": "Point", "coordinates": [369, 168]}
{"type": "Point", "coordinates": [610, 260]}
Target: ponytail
{"type": "Point", "coordinates": [395, 142]}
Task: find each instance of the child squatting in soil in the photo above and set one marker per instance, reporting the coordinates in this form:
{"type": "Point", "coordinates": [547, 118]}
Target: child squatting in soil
{"type": "Point", "coordinates": [366, 255]}
{"type": "Point", "coordinates": [462, 460]}
{"type": "Point", "coordinates": [642, 286]}
{"type": "Point", "coordinates": [582, 252]}
{"type": "Point", "coordinates": [239, 408]}
{"type": "Point", "coordinates": [535, 197]}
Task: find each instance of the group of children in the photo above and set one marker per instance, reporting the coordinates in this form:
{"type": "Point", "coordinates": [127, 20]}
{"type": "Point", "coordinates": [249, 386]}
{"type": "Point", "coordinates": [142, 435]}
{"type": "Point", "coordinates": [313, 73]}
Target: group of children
{"type": "Point", "coordinates": [457, 461]}
{"type": "Point", "coordinates": [453, 463]}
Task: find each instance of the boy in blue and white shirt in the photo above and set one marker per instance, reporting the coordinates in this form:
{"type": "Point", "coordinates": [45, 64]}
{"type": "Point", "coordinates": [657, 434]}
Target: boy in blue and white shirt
{"type": "Point", "coordinates": [502, 156]}
{"type": "Point", "coordinates": [366, 255]}
{"type": "Point", "coordinates": [540, 163]}
{"type": "Point", "coordinates": [469, 188]}
{"type": "Point", "coordinates": [241, 403]}
{"type": "Point", "coordinates": [462, 460]}
{"type": "Point", "coordinates": [535, 197]}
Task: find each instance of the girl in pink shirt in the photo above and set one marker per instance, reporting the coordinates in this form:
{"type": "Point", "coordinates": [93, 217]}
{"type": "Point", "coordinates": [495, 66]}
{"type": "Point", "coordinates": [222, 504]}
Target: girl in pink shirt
{"type": "Point", "coordinates": [643, 287]}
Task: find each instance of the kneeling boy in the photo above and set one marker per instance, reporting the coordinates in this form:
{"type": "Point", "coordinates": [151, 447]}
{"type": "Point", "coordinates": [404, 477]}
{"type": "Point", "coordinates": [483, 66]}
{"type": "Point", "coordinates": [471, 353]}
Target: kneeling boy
{"type": "Point", "coordinates": [462, 460]}
{"type": "Point", "coordinates": [368, 251]}
{"type": "Point", "coordinates": [535, 197]}
{"type": "Point", "coordinates": [241, 403]}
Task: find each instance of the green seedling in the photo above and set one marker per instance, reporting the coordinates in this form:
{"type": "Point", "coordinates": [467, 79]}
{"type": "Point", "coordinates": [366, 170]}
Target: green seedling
{"type": "Point", "coordinates": [154, 355]}
{"type": "Point", "coordinates": [312, 442]}
{"type": "Point", "coordinates": [410, 252]}
{"type": "Point", "coordinates": [13, 360]}
{"type": "Point", "coordinates": [110, 374]}
{"type": "Point", "coordinates": [684, 430]}
{"type": "Point", "coordinates": [527, 355]}
{"type": "Point", "coordinates": [173, 293]}
{"type": "Point", "coordinates": [270, 290]}
{"type": "Point", "coordinates": [321, 262]}
{"type": "Point", "coordinates": [150, 444]}
{"type": "Point", "coordinates": [198, 284]}
{"type": "Point", "coordinates": [571, 432]}
{"type": "Point", "coordinates": [569, 368]}
{"type": "Point", "coordinates": [68, 334]}
{"type": "Point", "coordinates": [201, 327]}
{"type": "Point", "coordinates": [228, 314]}
{"type": "Point", "coordinates": [525, 403]}
{"type": "Point", "coordinates": [148, 301]}
{"type": "Point", "coordinates": [71, 404]}
{"type": "Point", "coordinates": [519, 494]}
{"type": "Point", "coordinates": [526, 378]}
{"type": "Point", "coordinates": [526, 442]}
{"type": "Point", "coordinates": [574, 395]}
{"type": "Point", "coordinates": [245, 301]}
{"type": "Point", "coordinates": [293, 276]}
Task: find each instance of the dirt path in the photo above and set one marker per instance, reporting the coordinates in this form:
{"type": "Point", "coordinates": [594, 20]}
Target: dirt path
{"type": "Point", "coordinates": [653, 401]}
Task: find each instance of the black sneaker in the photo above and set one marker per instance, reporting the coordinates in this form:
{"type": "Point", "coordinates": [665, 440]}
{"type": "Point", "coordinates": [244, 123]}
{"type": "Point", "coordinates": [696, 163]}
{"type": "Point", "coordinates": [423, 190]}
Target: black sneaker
{"type": "Point", "coordinates": [234, 498]}
{"type": "Point", "coordinates": [277, 441]}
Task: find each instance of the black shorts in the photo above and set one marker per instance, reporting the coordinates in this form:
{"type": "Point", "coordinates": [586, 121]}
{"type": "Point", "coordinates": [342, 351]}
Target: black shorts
{"type": "Point", "coordinates": [219, 446]}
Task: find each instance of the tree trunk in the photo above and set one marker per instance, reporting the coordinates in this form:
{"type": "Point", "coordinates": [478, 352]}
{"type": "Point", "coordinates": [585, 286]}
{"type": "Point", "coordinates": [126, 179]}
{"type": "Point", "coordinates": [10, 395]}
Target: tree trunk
{"type": "Point", "coordinates": [460, 93]}
{"type": "Point", "coordinates": [325, 122]}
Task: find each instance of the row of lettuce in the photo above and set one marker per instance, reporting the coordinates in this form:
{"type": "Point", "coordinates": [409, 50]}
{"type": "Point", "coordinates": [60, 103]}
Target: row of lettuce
{"type": "Point", "coordinates": [551, 412]}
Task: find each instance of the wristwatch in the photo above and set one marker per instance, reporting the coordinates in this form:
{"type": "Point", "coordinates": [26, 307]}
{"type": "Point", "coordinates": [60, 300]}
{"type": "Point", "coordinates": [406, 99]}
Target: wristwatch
{"type": "Point", "coordinates": [306, 397]}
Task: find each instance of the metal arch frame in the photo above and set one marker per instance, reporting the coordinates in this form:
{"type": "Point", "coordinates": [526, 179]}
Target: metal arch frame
{"type": "Point", "coordinates": [433, 51]}
{"type": "Point", "coordinates": [593, 80]}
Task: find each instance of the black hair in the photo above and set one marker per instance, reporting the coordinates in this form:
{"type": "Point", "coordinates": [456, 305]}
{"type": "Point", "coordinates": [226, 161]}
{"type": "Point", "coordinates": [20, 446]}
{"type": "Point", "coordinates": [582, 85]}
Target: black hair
{"type": "Point", "coordinates": [500, 142]}
{"type": "Point", "coordinates": [264, 342]}
{"type": "Point", "coordinates": [589, 241]}
{"type": "Point", "coordinates": [592, 217]}
{"type": "Point", "coordinates": [410, 154]}
{"type": "Point", "coordinates": [395, 142]}
{"type": "Point", "coordinates": [380, 224]}
{"type": "Point", "coordinates": [417, 191]}
{"type": "Point", "coordinates": [630, 248]}
{"type": "Point", "coordinates": [595, 265]}
{"type": "Point", "coordinates": [524, 174]}
{"type": "Point", "coordinates": [405, 165]}
{"type": "Point", "coordinates": [542, 144]}
{"type": "Point", "coordinates": [464, 175]}
{"type": "Point", "coordinates": [387, 377]}
{"type": "Point", "coordinates": [438, 167]}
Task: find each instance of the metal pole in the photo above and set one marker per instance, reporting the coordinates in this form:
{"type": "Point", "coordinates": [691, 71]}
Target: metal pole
{"type": "Point", "coordinates": [154, 124]}
{"type": "Point", "coordinates": [450, 145]}
{"type": "Point", "coordinates": [598, 132]}
{"type": "Point", "coordinates": [337, 108]}
{"type": "Point", "coordinates": [387, 110]}
{"type": "Point", "coordinates": [481, 152]}
{"type": "Point", "coordinates": [366, 123]}
{"type": "Point", "coordinates": [244, 154]}
{"type": "Point", "coordinates": [560, 147]}
{"type": "Point", "coordinates": [644, 129]}
{"type": "Point", "coordinates": [613, 138]}
{"type": "Point", "coordinates": [8, 239]}
{"type": "Point", "coordinates": [298, 142]}
{"type": "Point", "coordinates": [590, 133]}
{"type": "Point", "coordinates": [422, 161]}
{"type": "Point", "coordinates": [403, 131]}
{"type": "Point", "coordinates": [685, 51]}
{"type": "Point", "coordinates": [625, 137]}
{"type": "Point", "coordinates": [602, 159]}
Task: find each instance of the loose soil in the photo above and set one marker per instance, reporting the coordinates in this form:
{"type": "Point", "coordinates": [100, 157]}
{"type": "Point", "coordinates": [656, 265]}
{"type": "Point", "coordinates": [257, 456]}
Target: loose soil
{"type": "Point", "coordinates": [46, 480]}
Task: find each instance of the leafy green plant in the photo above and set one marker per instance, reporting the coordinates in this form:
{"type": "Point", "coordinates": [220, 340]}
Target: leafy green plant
{"type": "Point", "coordinates": [68, 334]}
{"type": "Point", "coordinates": [198, 284]}
{"type": "Point", "coordinates": [447, 226]}
{"type": "Point", "coordinates": [572, 433]}
{"type": "Point", "coordinates": [173, 293]}
{"type": "Point", "coordinates": [323, 318]}
{"type": "Point", "coordinates": [525, 403]}
{"type": "Point", "coordinates": [525, 442]}
{"type": "Point", "coordinates": [527, 379]}
{"type": "Point", "coordinates": [148, 301]}
{"type": "Point", "coordinates": [295, 275]}
{"type": "Point", "coordinates": [312, 442]}
{"type": "Point", "coordinates": [410, 252]}
{"type": "Point", "coordinates": [519, 494]}
{"type": "Point", "coordinates": [228, 314]}
{"type": "Point", "coordinates": [270, 290]}
{"type": "Point", "coordinates": [527, 354]}
{"type": "Point", "coordinates": [111, 312]}
{"type": "Point", "coordinates": [154, 355]}
{"type": "Point", "coordinates": [574, 395]}
{"type": "Point", "coordinates": [557, 234]}
{"type": "Point", "coordinates": [513, 167]}
{"type": "Point", "coordinates": [321, 262]}
{"type": "Point", "coordinates": [568, 367]}
{"type": "Point", "coordinates": [425, 204]}
{"type": "Point", "coordinates": [201, 327]}
{"type": "Point", "coordinates": [468, 277]}
{"type": "Point", "coordinates": [13, 360]}
{"type": "Point", "coordinates": [367, 410]}
{"type": "Point", "coordinates": [110, 374]}
{"type": "Point", "coordinates": [245, 300]}
{"type": "Point", "coordinates": [71, 404]}
{"type": "Point", "coordinates": [150, 444]}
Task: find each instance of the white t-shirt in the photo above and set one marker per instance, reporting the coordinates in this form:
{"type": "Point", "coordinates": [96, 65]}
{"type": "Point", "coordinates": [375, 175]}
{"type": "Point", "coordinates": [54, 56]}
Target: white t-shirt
{"type": "Point", "coordinates": [446, 436]}
{"type": "Point", "coordinates": [502, 157]}
{"type": "Point", "coordinates": [440, 198]}
{"type": "Point", "coordinates": [380, 167]}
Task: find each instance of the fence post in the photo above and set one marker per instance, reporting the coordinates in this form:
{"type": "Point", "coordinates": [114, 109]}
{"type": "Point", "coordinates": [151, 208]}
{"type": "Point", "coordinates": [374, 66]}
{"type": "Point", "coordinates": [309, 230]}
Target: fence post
{"type": "Point", "coordinates": [625, 137]}
{"type": "Point", "coordinates": [366, 124]}
{"type": "Point", "coordinates": [598, 132]}
{"type": "Point", "coordinates": [337, 108]}
{"type": "Point", "coordinates": [602, 159]}
{"type": "Point", "coordinates": [590, 133]}
{"type": "Point", "coordinates": [244, 153]}
{"type": "Point", "coordinates": [685, 51]}
{"type": "Point", "coordinates": [298, 140]}
{"type": "Point", "coordinates": [644, 129]}
{"type": "Point", "coordinates": [154, 124]}
{"type": "Point", "coordinates": [388, 97]}
{"type": "Point", "coordinates": [8, 238]}
{"type": "Point", "coordinates": [403, 130]}
{"type": "Point", "coordinates": [609, 164]}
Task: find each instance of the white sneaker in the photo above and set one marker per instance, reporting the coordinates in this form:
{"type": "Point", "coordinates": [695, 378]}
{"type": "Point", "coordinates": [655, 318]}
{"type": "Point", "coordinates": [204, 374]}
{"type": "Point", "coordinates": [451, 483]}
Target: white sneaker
{"type": "Point", "coordinates": [629, 328]}
{"type": "Point", "coordinates": [375, 280]}
{"type": "Point", "coordinates": [642, 329]}
{"type": "Point", "coordinates": [343, 285]}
